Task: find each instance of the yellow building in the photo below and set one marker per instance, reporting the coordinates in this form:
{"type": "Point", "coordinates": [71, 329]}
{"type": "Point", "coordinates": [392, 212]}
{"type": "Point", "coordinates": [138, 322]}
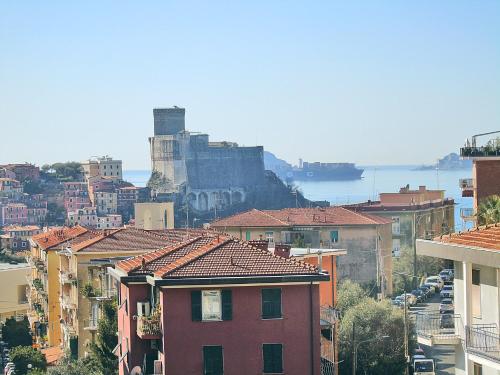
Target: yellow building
{"type": "Point", "coordinates": [367, 238]}
{"type": "Point", "coordinates": [14, 301]}
{"type": "Point", "coordinates": [84, 283]}
{"type": "Point", "coordinates": [154, 215]}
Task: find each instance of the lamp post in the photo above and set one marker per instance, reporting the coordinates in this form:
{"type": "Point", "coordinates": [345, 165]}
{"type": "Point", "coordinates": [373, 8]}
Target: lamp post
{"type": "Point", "coordinates": [356, 346]}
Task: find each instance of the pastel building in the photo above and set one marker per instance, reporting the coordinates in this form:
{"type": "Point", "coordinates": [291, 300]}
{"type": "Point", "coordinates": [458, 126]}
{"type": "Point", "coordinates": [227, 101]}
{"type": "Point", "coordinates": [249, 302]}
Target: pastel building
{"type": "Point", "coordinates": [14, 301]}
{"type": "Point", "coordinates": [76, 196]}
{"type": "Point", "coordinates": [104, 166]}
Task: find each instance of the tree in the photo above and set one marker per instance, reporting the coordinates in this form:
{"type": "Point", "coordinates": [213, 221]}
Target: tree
{"type": "Point", "coordinates": [488, 211]}
{"type": "Point", "coordinates": [403, 269]}
{"type": "Point", "coordinates": [32, 187]}
{"type": "Point", "coordinates": [17, 333]}
{"type": "Point", "coordinates": [372, 320]}
{"type": "Point", "coordinates": [22, 356]}
{"type": "Point", "coordinates": [69, 366]}
{"type": "Point", "coordinates": [158, 182]}
{"type": "Point", "coordinates": [106, 340]}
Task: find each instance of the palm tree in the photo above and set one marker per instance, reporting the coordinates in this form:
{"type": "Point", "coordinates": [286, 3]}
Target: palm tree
{"type": "Point", "coordinates": [488, 211]}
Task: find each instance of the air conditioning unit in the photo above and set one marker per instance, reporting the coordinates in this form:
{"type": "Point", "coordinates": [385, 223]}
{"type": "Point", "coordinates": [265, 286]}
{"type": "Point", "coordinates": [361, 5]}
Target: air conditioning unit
{"type": "Point", "coordinates": [143, 308]}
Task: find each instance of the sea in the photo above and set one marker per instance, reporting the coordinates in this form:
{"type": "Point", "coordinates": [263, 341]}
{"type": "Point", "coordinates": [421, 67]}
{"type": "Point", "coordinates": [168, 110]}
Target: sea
{"type": "Point", "coordinates": [375, 180]}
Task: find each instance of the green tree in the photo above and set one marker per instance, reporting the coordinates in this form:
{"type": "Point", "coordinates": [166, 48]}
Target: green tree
{"type": "Point", "coordinates": [403, 269]}
{"type": "Point", "coordinates": [372, 320]}
{"type": "Point", "coordinates": [69, 171]}
{"type": "Point", "coordinates": [488, 211]}
{"type": "Point", "coordinates": [69, 366]}
{"type": "Point", "coordinates": [106, 339]}
{"type": "Point", "coordinates": [32, 187]}
{"type": "Point", "coordinates": [17, 333]}
{"type": "Point", "coordinates": [22, 356]}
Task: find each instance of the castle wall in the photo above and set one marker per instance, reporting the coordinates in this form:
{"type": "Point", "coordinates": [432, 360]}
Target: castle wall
{"type": "Point", "coordinates": [169, 121]}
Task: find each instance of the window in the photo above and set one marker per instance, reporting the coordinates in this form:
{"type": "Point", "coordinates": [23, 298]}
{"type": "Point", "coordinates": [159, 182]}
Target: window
{"type": "Point", "coordinates": [213, 362]}
{"type": "Point", "coordinates": [478, 369]}
{"type": "Point", "coordinates": [396, 247]}
{"type": "Point", "coordinates": [334, 236]}
{"type": "Point", "coordinates": [270, 237]}
{"type": "Point", "coordinates": [476, 293]}
{"type": "Point", "coordinates": [247, 235]}
{"type": "Point", "coordinates": [271, 303]}
{"type": "Point", "coordinates": [211, 305]}
{"type": "Point", "coordinates": [273, 358]}
{"type": "Point", "coordinates": [396, 229]}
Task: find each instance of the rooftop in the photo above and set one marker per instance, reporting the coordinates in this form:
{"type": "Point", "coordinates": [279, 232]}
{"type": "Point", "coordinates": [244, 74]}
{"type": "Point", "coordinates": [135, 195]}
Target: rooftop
{"type": "Point", "coordinates": [213, 255]}
{"type": "Point", "coordinates": [9, 266]}
{"type": "Point", "coordinates": [18, 228]}
{"type": "Point", "coordinates": [486, 237]}
{"type": "Point", "coordinates": [300, 216]}
{"type": "Point", "coordinates": [58, 236]}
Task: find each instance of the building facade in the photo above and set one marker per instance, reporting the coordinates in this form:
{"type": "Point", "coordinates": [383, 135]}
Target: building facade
{"type": "Point", "coordinates": [14, 302]}
{"type": "Point", "coordinates": [104, 166]}
{"type": "Point", "coordinates": [415, 214]}
{"type": "Point", "coordinates": [24, 172]}
{"type": "Point", "coordinates": [263, 317]}
{"type": "Point", "coordinates": [367, 238]}
{"type": "Point", "coordinates": [473, 329]}
{"type": "Point", "coordinates": [154, 215]}
{"type": "Point", "coordinates": [76, 196]}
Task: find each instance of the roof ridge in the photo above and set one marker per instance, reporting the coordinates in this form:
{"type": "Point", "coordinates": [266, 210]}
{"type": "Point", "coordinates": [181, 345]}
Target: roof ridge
{"type": "Point", "coordinates": [363, 215]}
{"type": "Point", "coordinates": [192, 256]}
{"type": "Point", "coordinates": [93, 240]}
{"type": "Point", "coordinates": [265, 212]}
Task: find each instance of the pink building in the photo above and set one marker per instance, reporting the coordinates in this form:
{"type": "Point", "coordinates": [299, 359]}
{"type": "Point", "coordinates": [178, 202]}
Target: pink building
{"type": "Point", "coordinates": [76, 196]}
{"type": "Point", "coordinates": [214, 305]}
{"type": "Point", "coordinates": [13, 213]}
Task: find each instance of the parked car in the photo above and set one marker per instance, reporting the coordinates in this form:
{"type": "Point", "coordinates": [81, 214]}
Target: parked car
{"type": "Point", "coordinates": [432, 288]}
{"type": "Point", "coordinates": [450, 271]}
{"type": "Point", "coordinates": [447, 321]}
{"type": "Point", "coordinates": [446, 306]}
{"type": "Point", "coordinates": [426, 290]}
{"type": "Point", "coordinates": [445, 275]}
{"type": "Point", "coordinates": [419, 351]}
{"type": "Point", "coordinates": [399, 302]}
{"type": "Point", "coordinates": [447, 292]}
{"type": "Point", "coordinates": [436, 281]}
{"type": "Point", "coordinates": [411, 300]}
{"type": "Point", "coordinates": [419, 295]}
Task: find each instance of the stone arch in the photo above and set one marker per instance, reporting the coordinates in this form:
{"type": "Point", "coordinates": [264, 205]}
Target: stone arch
{"type": "Point", "coordinates": [226, 199]}
{"type": "Point", "coordinates": [203, 201]}
{"type": "Point", "coordinates": [236, 197]}
{"type": "Point", "coordinates": [192, 200]}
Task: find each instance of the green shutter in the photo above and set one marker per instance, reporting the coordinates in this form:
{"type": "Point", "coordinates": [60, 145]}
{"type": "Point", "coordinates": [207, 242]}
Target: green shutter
{"type": "Point", "coordinates": [248, 235]}
{"type": "Point", "coordinates": [271, 303]}
{"type": "Point", "coordinates": [213, 363]}
{"type": "Point", "coordinates": [73, 347]}
{"type": "Point", "coordinates": [227, 304]}
{"type": "Point", "coordinates": [196, 305]}
{"type": "Point", "coordinates": [273, 358]}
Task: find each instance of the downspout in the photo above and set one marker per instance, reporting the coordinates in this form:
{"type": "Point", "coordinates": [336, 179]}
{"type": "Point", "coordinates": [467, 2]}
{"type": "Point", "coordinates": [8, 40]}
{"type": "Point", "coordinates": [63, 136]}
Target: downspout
{"type": "Point", "coordinates": [311, 327]}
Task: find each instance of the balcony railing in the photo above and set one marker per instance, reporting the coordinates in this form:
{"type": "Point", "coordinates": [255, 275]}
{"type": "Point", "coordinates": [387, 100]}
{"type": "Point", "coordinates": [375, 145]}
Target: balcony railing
{"type": "Point", "coordinates": [90, 324]}
{"type": "Point", "coordinates": [435, 328]}
{"type": "Point", "coordinates": [467, 213]}
{"type": "Point", "coordinates": [149, 327]}
{"type": "Point", "coordinates": [328, 315]}
{"type": "Point", "coordinates": [472, 152]}
{"type": "Point", "coordinates": [483, 341]}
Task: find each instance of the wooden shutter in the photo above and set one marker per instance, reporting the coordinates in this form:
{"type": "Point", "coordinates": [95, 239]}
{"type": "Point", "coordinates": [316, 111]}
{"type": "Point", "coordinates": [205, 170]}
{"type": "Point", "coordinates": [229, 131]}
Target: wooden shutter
{"type": "Point", "coordinates": [273, 358]}
{"type": "Point", "coordinates": [196, 305]}
{"type": "Point", "coordinates": [227, 304]}
{"type": "Point", "coordinates": [271, 303]}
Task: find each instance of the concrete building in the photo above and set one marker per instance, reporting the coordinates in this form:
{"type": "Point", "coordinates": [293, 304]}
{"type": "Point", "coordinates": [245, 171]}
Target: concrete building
{"type": "Point", "coordinates": [106, 202]}
{"type": "Point", "coordinates": [13, 214]}
{"type": "Point", "coordinates": [76, 196]}
{"type": "Point", "coordinates": [14, 301]}
{"type": "Point", "coordinates": [10, 188]}
{"type": "Point", "coordinates": [154, 215]}
{"type": "Point", "coordinates": [228, 306]}
{"type": "Point", "coordinates": [88, 217]}
{"type": "Point", "coordinates": [210, 175]}
{"type": "Point", "coordinates": [16, 237]}
{"type": "Point", "coordinates": [473, 328]}
{"type": "Point", "coordinates": [415, 214]}
{"type": "Point", "coordinates": [7, 173]}
{"type": "Point", "coordinates": [104, 166]}
{"type": "Point", "coordinates": [367, 238]}
{"type": "Point", "coordinates": [24, 172]}
{"type": "Point", "coordinates": [109, 221]}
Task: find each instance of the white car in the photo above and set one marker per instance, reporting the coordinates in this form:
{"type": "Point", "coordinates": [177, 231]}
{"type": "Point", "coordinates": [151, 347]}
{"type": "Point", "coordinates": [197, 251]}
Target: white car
{"type": "Point", "coordinates": [410, 299]}
{"type": "Point", "coordinates": [447, 291]}
{"type": "Point", "coordinates": [435, 281]}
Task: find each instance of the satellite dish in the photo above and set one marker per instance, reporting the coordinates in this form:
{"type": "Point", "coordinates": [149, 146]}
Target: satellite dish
{"type": "Point", "coordinates": [137, 370]}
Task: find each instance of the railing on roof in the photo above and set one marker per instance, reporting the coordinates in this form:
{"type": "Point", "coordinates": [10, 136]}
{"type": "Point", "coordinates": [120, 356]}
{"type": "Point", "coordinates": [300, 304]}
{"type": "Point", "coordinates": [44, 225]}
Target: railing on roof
{"type": "Point", "coordinates": [483, 151]}
{"type": "Point", "coordinates": [483, 341]}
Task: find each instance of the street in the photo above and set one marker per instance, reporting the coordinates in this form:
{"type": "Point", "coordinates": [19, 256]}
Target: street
{"type": "Point", "coordinates": [443, 355]}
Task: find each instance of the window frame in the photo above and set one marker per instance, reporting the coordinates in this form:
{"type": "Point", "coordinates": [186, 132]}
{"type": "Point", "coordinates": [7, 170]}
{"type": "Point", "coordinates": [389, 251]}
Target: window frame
{"type": "Point", "coordinates": [203, 358]}
{"type": "Point", "coordinates": [219, 295]}
{"type": "Point", "coordinates": [262, 304]}
{"type": "Point", "coordinates": [264, 360]}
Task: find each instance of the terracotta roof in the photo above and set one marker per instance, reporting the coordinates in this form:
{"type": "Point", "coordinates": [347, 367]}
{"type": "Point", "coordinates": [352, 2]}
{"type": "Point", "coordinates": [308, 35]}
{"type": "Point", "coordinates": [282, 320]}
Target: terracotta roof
{"type": "Point", "coordinates": [52, 354]}
{"type": "Point", "coordinates": [56, 237]}
{"type": "Point", "coordinates": [487, 237]}
{"type": "Point", "coordinates": [17, 228]}
{"type": "Point", "coordinates": [213, 255]}
{"type": "Point", "coordinates": [300, 216]}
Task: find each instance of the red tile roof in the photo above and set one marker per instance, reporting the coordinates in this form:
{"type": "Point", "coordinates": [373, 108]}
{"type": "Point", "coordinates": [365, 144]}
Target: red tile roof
{"type": "Point", "coordinates": [213, 256]}
{"type": "Point", "coordinates": [58, 236]}
{"type": "Point", "coordinates": [487, 237]}
{"type": "Point", "coordinates": [300, 216]}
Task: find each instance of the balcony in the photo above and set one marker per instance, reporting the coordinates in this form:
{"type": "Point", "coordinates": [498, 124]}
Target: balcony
{"type": "Point", "coordinates": [328, 316]}
{"type": "Point", "coordinates": [439, 329]}
{"type": "Point", "coordinates": [149, 327]}
{"type": "Point", "coordinates": [90, 324]}
{"type": "Point", "coordinates": [467, 186]}
{"type": "Point", "coordinates": [67, 302]}
{"type": "Point", "coordinates": [483, 341]}
{"type": "Point", "coordinates": [467, 213]}
{"type": "Point", "coordinates": [480, 152]}
{"type": "Point", "coordinates": [66, 277]}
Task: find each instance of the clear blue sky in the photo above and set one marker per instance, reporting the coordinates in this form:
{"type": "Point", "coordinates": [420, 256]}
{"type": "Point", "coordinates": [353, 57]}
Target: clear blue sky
{"type": "Point", "coordinates": [373, 82]}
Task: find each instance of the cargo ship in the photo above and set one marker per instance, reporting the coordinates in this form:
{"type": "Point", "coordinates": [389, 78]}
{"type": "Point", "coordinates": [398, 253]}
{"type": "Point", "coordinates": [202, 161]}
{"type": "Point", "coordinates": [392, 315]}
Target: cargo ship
{"type": "Point", "coordinates": [325, 172]}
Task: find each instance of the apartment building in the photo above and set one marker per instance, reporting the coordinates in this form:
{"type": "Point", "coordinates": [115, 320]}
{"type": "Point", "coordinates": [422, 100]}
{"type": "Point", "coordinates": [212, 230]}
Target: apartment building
{"type": "Point", "coordinates": [473, 329]}
{"type": "Point", "coordinates": [13, 214]}
{"type": "Point", "coordinates": [103, 166]}
{"type": "Point", "coordinates": [10, 188]}
{"type": "Point", "coordinates": [367, 238]}
{"type": "Point", "coordinates": [76, 196]}
{"type": "Point", "coordinates": [420, 213]}
{"type": "Point", "coordinates": [212, 304]}
{"type": "Point", "coordinates": [14, 302]}
{"type": "Point", "coordinates": [23, 172]}
{"type": "Point", "coordinates": [106, 202]}
{"type": "Point", "coordinates": [16, 237]}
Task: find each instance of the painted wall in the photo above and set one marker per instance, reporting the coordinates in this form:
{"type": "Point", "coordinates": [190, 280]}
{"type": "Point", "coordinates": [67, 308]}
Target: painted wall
{"type": "Point", "coordinates": [152, 216]}
{"type": "Point", "coordinates": [14, 299]}
{"type": "Point", "coordinates": [486, 179]}
{"type": "Point", "coordinates": [54, 305]}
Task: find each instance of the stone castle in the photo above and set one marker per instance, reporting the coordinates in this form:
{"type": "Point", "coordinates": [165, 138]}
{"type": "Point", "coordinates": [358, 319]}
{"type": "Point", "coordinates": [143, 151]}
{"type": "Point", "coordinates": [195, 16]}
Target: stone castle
{"type": "Point", "coordinates": [208, 175]}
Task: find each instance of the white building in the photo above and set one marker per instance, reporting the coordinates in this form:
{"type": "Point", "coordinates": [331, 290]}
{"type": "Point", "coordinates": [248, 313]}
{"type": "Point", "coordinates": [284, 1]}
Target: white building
{"type": "Point", "coordinates": [103, 166]}
{"type": "Point", "coordinates": [88, 217]}
{"type": "Point", "coordinates": [475, 328]}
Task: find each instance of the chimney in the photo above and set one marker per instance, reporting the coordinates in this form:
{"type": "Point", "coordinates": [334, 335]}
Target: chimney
{"type": "Point", "coordinates": [260, 244]}
{"type": "Point", "coordinates": [421, 188]}
{"type": "Point", "coordinates": [282, 250]}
